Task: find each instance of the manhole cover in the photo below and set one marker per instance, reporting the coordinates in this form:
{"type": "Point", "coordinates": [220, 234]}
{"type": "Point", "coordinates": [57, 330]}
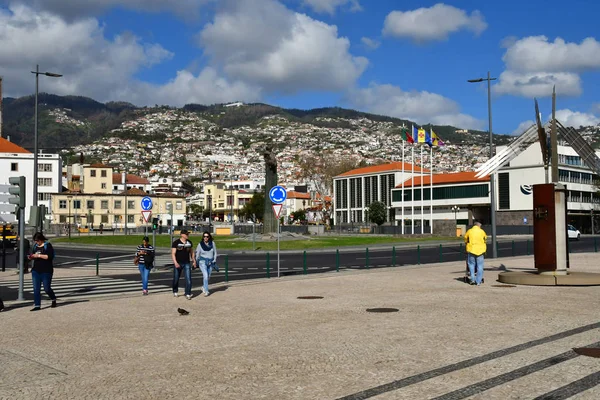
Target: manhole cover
{"type": "Point", "coordinates": [310, 297]}
{"type": "Point", "coordinates": [588, 351]}
{"type": "Point", "coordinates": [382, 310]}
{"type": "Point", "coordinates": [503, 285]}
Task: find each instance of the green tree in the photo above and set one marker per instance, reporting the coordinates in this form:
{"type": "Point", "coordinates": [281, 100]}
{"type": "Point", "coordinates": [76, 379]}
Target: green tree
{"type": "Point", "coordinates": [195, 210]}
{"type": "Point", "coordinates": [255, 207]}
{"type": "Point", "coordinates": [298, 215]}
{"type": "Point", "coordinates": [377, 212]}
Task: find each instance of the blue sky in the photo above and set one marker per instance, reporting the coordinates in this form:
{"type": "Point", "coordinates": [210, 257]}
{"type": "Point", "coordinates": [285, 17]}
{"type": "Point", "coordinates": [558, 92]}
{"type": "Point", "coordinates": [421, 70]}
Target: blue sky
{"type": "Point", "coordinates": [408, 59]}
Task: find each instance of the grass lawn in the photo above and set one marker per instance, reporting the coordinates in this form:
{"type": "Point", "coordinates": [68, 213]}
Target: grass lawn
{"type": "Point", "coordinates": [235, 243]}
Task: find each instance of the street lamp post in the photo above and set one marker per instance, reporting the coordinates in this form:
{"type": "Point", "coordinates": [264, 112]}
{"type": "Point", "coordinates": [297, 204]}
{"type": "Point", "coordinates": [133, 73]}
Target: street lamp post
{"type": "Point", "coordinates": [69, 218]}
{"type": "Point", "coordinates": [455, 209]}
{"type": "Point", "coordinates": [492, 177]}
{"type": "Point", "coordinates": [35, 132]}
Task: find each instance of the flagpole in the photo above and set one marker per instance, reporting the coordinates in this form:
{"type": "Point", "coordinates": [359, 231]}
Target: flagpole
{"type": "Point", "coordinates": [431, 189]}
{"type": "Point", "coordinates": [412, 202]}
{"type": "Point", "coordinates": [402, 187]}
{"type": "Point", "coordinates": [422, 193]}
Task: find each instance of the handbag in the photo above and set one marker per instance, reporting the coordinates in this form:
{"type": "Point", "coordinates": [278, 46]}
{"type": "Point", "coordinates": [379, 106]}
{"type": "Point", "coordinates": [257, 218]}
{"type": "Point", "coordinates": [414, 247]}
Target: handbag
{"type": "Point", "coordinates": [136, 260]}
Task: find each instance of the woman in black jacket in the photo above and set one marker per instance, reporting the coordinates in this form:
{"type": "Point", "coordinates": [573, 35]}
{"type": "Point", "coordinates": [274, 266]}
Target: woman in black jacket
{"type": "Point", "coordinates": [42, 256]}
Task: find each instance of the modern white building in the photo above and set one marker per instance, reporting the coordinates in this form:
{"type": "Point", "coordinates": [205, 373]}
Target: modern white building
{"type": "Point", "coordinates": [17, 161]}
{"type": "Point", "coordinates": [461, 196]}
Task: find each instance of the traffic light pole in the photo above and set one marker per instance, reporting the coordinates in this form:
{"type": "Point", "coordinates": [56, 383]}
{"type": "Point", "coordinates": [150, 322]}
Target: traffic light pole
{"type": "Point", "coordinates": [21, 253]}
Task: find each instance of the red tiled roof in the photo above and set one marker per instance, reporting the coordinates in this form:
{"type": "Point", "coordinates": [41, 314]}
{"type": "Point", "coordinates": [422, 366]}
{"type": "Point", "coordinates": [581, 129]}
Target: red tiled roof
{"type": "Point", "coordinates": [7, 146]}
{"type": "Point", "coordinates": [135, 192]}
{"type": "Point", "coordinates": [374, 169]}
{"type": "Point", "coordinates": [441, 179]}
{"type": "Point", "coordinates": [298, 195]}
{"type": "Point", "coordinates": [131, 179]}
{"type": "Point", "coordinates": [98, 165]}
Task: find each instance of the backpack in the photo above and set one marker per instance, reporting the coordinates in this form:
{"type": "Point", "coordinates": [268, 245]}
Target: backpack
{"type": "Point", "coordinates": [149, 260]}
{"type": "Point", "coordinates": [53, 252]}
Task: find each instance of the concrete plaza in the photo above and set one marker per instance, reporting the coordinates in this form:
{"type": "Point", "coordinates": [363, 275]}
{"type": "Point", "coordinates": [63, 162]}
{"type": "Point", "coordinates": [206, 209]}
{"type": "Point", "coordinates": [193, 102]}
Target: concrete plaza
{"type": "Point", "coordinates": [256, 339]}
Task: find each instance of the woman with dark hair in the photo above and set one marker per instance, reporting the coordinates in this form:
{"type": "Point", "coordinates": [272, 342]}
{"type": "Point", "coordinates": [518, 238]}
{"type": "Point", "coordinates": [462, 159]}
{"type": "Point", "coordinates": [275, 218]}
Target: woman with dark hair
{"type": "Point", "coordinates": [42, 256]}
{"type": "Point", "coordinates": [144, 258]}
{"type": "Point", "coordinates": [206, 254]}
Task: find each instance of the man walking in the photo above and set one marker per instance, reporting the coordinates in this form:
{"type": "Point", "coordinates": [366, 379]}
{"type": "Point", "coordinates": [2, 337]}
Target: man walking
{"type": "Point", "coordinates": [182, 251]}
{"type": "Point", "coordinates": [475, 239]}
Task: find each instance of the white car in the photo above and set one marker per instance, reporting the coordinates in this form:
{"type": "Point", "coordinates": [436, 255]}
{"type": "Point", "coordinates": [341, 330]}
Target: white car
{"type": "Point", "coordinates": [573, 232]}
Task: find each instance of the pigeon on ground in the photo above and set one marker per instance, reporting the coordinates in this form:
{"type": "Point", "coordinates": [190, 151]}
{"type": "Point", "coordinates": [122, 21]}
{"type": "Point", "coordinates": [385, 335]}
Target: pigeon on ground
{"type": "Point", "coordinates": [182, 311]}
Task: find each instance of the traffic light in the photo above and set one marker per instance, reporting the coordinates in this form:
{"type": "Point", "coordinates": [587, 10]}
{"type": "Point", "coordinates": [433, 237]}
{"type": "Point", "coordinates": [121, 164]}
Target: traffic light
{"type": "Point", "coordinates": [154, 223]}
{"type": "Point", "coordinates": [17, 189]}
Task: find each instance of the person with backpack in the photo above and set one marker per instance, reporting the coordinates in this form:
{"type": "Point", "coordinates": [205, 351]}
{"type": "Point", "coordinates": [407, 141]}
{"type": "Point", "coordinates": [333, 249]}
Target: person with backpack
{"type": "Point", "coordinates": [42, 256]}
{"type": "Point", "coordinates": [144, 258]}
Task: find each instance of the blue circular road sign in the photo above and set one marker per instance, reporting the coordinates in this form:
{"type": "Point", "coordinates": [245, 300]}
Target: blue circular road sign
{"type": "Point", "coordinates": [146, 203]}
{"type": "Point", "coordinates": [277, 194]}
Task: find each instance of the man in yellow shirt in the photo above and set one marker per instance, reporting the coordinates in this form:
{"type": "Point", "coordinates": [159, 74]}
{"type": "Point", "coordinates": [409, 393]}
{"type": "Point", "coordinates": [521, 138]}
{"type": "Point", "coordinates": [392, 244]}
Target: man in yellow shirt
{"type": "Point", "coordinates": [475, 240]}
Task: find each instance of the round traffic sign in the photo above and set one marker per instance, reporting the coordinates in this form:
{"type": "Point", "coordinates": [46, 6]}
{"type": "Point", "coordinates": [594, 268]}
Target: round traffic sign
{"type": "Point", "coordinates": [277, 194]}
{"type": "Point", "coordinates": [146, 203]}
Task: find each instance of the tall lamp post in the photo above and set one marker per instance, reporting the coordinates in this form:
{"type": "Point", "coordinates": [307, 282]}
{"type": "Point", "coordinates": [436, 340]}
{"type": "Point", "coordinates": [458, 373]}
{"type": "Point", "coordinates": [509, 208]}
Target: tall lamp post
{"type": "Point", "coordinates": [69, 219]}
{"type": "Point", "coordinates": [455, 209]}
{"type": "Point", "coordinates": [492, 177]}
{"type": "Point", "coordinates": [35, 131]}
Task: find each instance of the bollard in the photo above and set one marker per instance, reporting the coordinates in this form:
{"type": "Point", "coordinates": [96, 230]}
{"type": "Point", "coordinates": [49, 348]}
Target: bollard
{"type": "Point", "coordinates": [227, 268]}
{"type": "Point", "coordinates": [441, 258]}
{"type": "Point", "coordinates": [527, 247]}
{"type": "Point", "coordinates": [337, 260]}
{"type": "Point", "coordinates": [393, 256]}
{"type": "Point", "coordinates": [513, 248]}
{"type": "Point", "coordinates": [367, 258]}
{"type": "Point", "coordinates": [268, 265]}
{"type": "Point", "coordinates": [97, 263]}
{"type": "Point", "coordinates": [460, 250]}
{"type": "Point", "coordinates": [304, 262]}
{"type": "Point", "coordinates": [419, 254]}
{"type": "Point", "coordinates": [596, 245]}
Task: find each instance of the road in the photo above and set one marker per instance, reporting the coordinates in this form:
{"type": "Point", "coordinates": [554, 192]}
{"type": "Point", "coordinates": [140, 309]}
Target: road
{"type": "Point", "coordinates": [245, 265]}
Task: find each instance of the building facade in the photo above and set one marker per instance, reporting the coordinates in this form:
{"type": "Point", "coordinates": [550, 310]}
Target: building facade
{"type": "Point", "coordinates": [17, 161]}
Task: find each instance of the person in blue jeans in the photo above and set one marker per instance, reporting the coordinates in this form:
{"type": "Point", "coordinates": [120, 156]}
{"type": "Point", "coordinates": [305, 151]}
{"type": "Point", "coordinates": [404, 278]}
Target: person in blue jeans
{"type": "Point", "coordinates": [42, 255]}
{"type": "Point", "coordinates": [145, 259]}
{"type": "Point", "coordinates": [206, 254]}
{"type": "Point", "coordinates": [182, 253]}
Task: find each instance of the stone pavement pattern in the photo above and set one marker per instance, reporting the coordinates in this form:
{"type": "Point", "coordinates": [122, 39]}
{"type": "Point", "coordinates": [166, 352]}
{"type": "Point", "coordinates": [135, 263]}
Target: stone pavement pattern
{"type": "Point", "coordinates": [255, 339]}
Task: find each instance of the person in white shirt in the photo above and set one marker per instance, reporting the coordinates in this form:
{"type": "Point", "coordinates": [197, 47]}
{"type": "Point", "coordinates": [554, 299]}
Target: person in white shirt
{"type": "Point", "coordinates": [206, 254]}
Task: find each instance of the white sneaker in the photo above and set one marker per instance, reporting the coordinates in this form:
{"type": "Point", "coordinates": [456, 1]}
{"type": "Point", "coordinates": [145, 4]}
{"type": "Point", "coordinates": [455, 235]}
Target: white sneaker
{"type": "Point", "coordinates": [206, 293]}
{"type": "Point", "coordinates": [175, 294]}
{"type": "Point", "coordinates": [188, 296]}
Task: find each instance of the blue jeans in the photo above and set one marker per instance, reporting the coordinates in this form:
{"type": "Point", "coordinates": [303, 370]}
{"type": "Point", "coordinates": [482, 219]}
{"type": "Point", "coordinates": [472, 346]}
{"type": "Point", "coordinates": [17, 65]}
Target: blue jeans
{"type": "Point", "coordinates": [145, 274]}
{"type": "Point", "coordinates": [204, 264]}
{"type": "Point", "coordinates": [37, 279]}
{"type": "Point", "coordinates": [188, 278]}
{"type": "Point", "coordinates": [475, 261]}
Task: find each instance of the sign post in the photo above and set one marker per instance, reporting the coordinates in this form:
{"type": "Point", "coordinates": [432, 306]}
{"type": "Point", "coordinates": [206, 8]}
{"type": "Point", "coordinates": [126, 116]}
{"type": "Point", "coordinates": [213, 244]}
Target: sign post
{"type": "Point", "coordinates": [277, 195]}
{"type": "Point", "coordinates": [146, 204]}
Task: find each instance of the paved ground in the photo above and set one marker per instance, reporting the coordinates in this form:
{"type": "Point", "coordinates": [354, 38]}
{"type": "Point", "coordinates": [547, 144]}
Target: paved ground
{"type": "Point", "coordinates": [256, 339]}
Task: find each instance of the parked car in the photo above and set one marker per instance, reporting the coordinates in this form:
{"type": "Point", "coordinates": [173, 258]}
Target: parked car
{"type": "Point", "coordinates": [573, 232]}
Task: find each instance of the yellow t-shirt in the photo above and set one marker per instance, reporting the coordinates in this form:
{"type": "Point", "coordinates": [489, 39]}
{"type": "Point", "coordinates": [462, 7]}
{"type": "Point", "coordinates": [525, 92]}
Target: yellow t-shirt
{"type": "Point", "coordinates": [475, 239]}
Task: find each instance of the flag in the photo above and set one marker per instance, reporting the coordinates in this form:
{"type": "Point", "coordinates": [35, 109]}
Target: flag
{"type": "Point", "coordinates": [421, 136]}
{"type": "Point", "coordinates": [435, 140]}
{"type": "Point", "coordinates": [406, 135]}
{"type": "Point", "coordinates": [428, 138]}
{"type": "Point", "coordinates": [415, 135]}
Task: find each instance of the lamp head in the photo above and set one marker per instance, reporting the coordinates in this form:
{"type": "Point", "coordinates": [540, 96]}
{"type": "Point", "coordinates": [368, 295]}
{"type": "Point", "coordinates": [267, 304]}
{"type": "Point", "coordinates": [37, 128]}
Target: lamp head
{"type": "Point", "coordinates": [475, 80]}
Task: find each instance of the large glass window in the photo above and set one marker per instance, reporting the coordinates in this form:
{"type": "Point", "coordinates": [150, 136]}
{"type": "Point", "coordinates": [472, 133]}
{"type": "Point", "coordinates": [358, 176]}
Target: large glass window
{"type": "Point", "coordinates": [504, 191]}
{"type": "Point", "coordinates": [444, 193]}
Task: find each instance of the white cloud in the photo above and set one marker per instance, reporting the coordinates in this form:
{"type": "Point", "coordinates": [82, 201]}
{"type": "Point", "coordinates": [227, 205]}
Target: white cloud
{"type": "Point", "coordinates": [576, 118]}
{"type": "Point", "coordinates": [264, 43]}
{"type": "Point", "coordinates": [522, 127]}
{"type": "Point", "coordinates": [434, 23]}
{"type": "Point", "coordinates": [369, 43]}
{"type": "Point", "coordinates": [421, 107]}
{"type": "Point", "coordinates": [72, 9]}
{"type": "Point", "coordinates": [96, 67]}
{"type": "Point", "coordinates": [538, 84]}
{"type": "Point", "coordinates": [596, 108]}
{"type": "Point", "coordinates": [329, 6]}
{"type": "Point", "coordinates": [536, 53]}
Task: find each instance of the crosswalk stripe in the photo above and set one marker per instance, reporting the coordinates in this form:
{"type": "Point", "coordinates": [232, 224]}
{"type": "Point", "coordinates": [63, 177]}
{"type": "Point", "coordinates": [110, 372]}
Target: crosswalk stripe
{"type": "Point", "coordinates": [86, 287]}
